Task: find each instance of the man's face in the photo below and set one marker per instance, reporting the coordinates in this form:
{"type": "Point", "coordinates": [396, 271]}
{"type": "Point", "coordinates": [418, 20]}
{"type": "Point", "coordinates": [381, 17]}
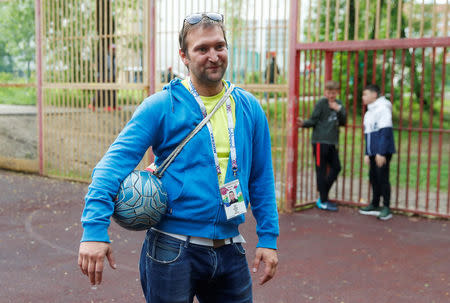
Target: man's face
{"type": "Point", "coordinates": [369, 96]}
{"type": "Point", "coordinates": [331, 94]}
{"type": "Point", "coordinates": [206, 54]}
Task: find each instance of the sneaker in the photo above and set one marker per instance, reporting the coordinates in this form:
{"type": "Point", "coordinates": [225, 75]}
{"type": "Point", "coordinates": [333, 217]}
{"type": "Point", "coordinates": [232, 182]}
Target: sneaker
{"type": "Point", "coordinates": [385, 214]}
{"type": "Point", "coordinates": [370, 210]}
{"type": "Point", "coordinates": [319, 203]}
{"type": "Point", "coordinates": [332, 206]}
{"type": "Point", "coordinates": [326, 205]}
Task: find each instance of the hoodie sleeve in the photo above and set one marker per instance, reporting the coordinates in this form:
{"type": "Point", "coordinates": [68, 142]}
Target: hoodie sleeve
{"type": "Point", "coordinates": [122, 157]}
{"type": "Point", "coordinates": [262, 185]}
{"type": "Point", "coordinates": [315, 116]}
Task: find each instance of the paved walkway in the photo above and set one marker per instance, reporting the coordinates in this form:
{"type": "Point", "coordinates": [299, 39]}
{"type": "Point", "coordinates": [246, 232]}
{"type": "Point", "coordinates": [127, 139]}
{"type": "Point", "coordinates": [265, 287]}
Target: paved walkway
{"type": "Point", "coordinates": [6, 109]}
{"type": "Point", "coordinates": [324, 257]}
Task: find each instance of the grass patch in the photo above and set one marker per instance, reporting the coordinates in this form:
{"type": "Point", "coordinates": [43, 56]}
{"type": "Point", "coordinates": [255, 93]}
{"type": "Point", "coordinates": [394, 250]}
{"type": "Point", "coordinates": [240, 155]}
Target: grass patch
{"type": "Point", "coordinates": [17, 95]}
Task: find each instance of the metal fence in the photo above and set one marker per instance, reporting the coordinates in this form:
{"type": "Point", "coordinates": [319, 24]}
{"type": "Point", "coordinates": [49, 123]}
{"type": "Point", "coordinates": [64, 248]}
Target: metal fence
{"type": "Point", "coordinates": [93, 76]}
{"type": "Point", "coordinates": [412, 74]}
{"type": "Point", "coordinates": [419, 170]}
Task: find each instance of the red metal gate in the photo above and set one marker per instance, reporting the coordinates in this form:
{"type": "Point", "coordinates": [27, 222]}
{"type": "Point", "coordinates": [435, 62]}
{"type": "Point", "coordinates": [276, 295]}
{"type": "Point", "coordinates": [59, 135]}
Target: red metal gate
{"type": "Point", "coordinates": [412, 74]}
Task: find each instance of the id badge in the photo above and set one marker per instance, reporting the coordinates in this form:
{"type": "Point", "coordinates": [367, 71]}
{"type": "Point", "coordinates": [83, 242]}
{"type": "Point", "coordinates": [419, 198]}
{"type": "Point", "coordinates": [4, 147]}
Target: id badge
{"type": "Point", "coordinates": [233, 199]}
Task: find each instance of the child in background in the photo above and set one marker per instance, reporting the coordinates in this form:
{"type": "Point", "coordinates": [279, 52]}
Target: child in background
{"type": "Point", "coordinates": [327, 116]}
{"type": "Point", "coordinates": [380, 146]}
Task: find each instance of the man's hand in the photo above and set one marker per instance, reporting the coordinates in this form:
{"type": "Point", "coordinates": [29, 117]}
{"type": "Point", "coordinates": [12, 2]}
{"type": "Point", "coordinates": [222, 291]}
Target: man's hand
{"type": "Point", "coordinates": [270, 259]}
{"type": "Point", "coordinates": [366, 159]}
{"type": "Point", "coordinates": [380, 160]}
{"type": "Point", "coordinates": [90, 259]}
{"type": "Point", "coordinates": [299, 122]}
{"type": "Point", "coordinates": [334, 106]}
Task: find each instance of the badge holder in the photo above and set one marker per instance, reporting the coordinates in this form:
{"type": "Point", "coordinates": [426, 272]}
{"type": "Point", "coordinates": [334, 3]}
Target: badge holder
{"type": "Point", "coordinates": [233, 199]}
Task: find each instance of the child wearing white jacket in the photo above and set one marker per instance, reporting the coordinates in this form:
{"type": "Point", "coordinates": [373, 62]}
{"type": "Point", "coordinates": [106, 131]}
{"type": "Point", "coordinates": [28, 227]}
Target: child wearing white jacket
{"type": "Point", "coordinates": [380, 146]}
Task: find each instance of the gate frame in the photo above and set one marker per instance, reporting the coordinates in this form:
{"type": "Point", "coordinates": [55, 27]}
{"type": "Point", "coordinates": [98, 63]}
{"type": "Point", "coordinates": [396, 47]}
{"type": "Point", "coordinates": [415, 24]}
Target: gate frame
{"type": "Point", "coordinates": [295, 48]}
{"type": "Point", "coordinates": [39, 92]}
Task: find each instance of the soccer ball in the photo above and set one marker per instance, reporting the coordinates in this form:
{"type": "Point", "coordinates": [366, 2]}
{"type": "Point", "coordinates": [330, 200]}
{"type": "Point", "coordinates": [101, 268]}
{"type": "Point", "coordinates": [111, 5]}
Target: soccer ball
{"type": "Point", "coordinates": [140, 202]}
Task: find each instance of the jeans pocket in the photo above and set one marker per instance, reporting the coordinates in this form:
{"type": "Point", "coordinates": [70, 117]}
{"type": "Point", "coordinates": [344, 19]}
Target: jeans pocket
{"type": "Point", "coordinates": [239, 249]}
{"type": "Point", "coordinates": [163, 249]}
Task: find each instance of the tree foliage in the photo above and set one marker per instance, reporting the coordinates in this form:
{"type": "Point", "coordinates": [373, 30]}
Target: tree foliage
{"type": "Point", "coordinates": [17, 41]}
{"type": "Point", "coordinates": [418, 63]}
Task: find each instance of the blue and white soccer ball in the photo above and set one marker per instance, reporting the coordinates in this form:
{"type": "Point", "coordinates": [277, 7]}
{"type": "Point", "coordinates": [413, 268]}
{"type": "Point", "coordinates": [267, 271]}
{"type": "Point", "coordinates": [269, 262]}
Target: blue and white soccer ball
{"type": "Point", "coordinates": [140, 202]}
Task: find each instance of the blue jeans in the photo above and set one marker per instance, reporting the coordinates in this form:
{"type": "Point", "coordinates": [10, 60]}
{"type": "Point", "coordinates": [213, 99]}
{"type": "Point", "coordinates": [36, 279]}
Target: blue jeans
{"type": "Point", "coordinates": [175, 271]}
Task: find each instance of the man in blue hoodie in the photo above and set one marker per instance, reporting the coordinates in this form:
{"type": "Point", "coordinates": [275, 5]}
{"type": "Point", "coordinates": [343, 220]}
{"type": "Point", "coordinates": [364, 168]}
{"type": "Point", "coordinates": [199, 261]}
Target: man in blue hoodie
{"type": "Point", "coordinates": [196, 250]}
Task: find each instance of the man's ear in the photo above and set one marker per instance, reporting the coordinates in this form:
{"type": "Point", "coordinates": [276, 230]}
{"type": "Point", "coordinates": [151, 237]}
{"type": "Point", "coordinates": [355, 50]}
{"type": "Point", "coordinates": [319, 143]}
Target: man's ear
{"type": "Point", "coordinates": [184, 57]}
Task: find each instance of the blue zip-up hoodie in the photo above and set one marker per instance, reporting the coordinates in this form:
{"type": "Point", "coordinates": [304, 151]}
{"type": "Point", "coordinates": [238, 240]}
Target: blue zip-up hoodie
{"type": "Point", "coordinates": [378, 130]}
{"type": "Point", "coordinates": [195, 206]}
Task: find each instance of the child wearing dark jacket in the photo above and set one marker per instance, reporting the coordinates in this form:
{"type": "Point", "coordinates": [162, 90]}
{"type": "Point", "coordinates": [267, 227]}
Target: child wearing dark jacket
{"type": "Point", "coordinates": [380, 146]}
{"type": "Point", "coordinates": [327, 116]}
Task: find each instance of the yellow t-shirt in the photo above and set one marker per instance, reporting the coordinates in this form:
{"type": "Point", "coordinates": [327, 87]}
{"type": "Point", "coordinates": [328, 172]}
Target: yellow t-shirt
{"type": "Point", "coordinates": [219, 124]}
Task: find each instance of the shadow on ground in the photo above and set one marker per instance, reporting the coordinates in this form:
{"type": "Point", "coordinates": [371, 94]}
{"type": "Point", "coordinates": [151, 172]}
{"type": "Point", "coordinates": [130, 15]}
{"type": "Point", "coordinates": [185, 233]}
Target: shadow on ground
{"type": "Point", "coordinates": [324, 257]}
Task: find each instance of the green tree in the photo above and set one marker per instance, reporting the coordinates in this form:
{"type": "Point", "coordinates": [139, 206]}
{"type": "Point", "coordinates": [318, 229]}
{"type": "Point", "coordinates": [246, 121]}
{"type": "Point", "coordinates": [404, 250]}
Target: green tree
{"type": "Point", "coordinates": [412, 68]}
{"type": "Point", "coordinates": [6, 60]}
{"type": "Point", "coordinates": [18, 34]}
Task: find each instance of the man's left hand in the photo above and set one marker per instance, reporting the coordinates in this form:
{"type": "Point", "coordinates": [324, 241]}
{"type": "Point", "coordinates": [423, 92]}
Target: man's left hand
{"type": "Point", "coordinates": [270, 259]}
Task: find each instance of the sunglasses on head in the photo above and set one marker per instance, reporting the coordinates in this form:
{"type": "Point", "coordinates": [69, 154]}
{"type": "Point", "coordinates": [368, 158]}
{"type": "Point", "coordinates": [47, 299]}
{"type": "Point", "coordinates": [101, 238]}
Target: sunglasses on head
{"type": "Point", "coordinates": [197, 17]}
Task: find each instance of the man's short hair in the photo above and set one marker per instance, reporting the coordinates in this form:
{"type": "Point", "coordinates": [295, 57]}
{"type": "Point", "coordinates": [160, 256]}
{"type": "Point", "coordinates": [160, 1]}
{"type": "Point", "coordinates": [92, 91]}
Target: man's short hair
{"type": "Point", "coordinates": [373, 88]}
{"type": "Point", "coordinates": [187, 27]}
{"type": "Point", "coordinates": [332, 85]}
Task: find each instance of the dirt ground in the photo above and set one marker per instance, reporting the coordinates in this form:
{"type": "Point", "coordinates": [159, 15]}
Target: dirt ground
{"type": "Point", "coordinates": [19, 136]}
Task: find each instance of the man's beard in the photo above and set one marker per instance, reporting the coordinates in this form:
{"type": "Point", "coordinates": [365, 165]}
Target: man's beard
{"type": "Point", "coordinates": [212, 79]}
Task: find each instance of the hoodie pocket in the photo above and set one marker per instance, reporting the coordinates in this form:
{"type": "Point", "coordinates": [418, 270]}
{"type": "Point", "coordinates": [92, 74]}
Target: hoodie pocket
{"type": "Point", "coordinates": [174, 178]}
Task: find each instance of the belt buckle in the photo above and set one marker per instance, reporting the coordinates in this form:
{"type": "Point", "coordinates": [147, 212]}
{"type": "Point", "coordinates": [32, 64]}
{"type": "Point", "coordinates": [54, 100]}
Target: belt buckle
{"type": "Point", "coordinates": [218, 243]}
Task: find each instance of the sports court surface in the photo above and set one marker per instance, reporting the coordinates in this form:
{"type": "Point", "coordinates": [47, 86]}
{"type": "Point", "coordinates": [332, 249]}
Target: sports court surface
{"type": "Point", "coordinates": [324, 257]}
